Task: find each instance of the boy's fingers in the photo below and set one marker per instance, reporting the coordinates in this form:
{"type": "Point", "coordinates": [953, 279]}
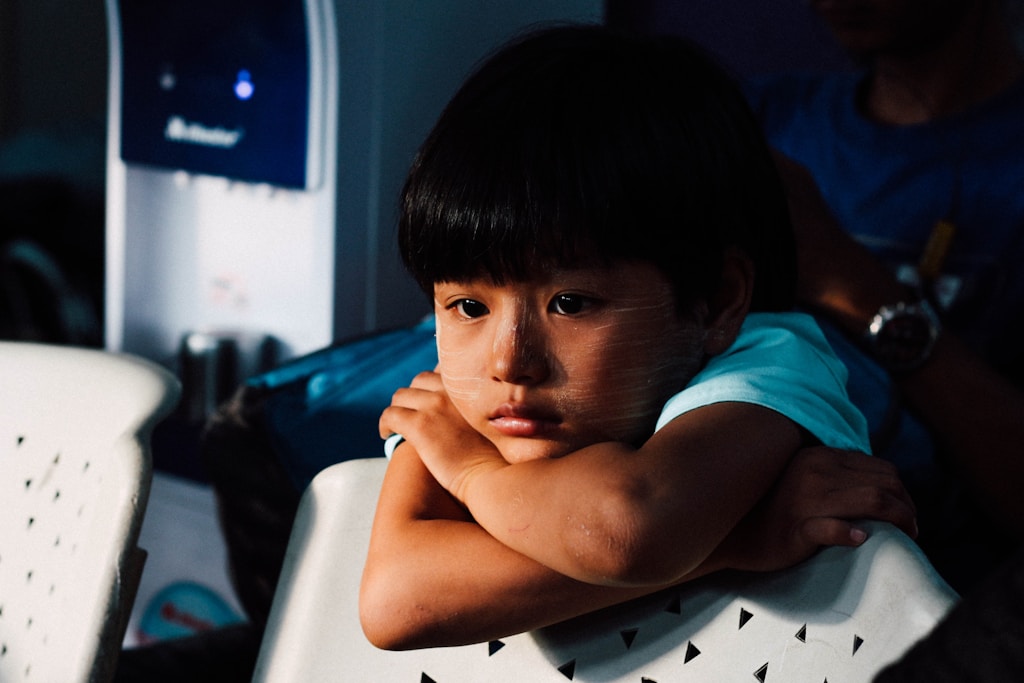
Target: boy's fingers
{"type": "Point", "coordinates": [868, 469]}
{"type": "Point", "coordinates": [885, 505]}
{"type": "Point", "coordinates": [836, 470]}
{"type": "Point", "coordinates": [829, 531]}
{"type": "Point", "coordinates": [385, 426]}
{"type": "Point", "coordinates": [430, 381]}
{"type": "Point", "coordinates": [871, 502]}
{"type": "Point", "coordinates": [396, 419]}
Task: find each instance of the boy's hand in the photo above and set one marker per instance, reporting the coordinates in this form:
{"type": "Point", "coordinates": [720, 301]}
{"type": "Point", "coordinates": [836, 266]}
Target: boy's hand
{"type": "Point", "coordinates": [813, 504]}
{"type": "Point", "coordinates": [447, 445]}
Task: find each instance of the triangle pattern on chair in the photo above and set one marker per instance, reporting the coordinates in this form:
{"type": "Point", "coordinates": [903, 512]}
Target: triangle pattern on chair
{"type": "Point", "coordinates": [628, 636]}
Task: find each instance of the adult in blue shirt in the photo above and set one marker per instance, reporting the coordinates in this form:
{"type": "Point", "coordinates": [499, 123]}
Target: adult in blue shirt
{"type": "Point", "coordinates": [910, 252]}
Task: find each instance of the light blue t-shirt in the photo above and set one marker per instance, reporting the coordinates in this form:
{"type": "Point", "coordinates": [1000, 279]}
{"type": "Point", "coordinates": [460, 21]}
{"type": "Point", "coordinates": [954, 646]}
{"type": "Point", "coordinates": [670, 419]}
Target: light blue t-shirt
{"type": "Point", "coordinates": [780, 361]}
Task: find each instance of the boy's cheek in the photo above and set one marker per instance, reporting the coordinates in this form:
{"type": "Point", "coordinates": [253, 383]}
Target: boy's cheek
{"type": "Point", "coordinates": [460, 371]}
{"type": "Point", "coordinates": [461, 391]}
{"type": "Point", "coordinates": [464, 390]}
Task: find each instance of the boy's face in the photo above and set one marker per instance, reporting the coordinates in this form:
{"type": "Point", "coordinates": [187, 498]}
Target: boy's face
{"type": "Point", "coordinates": [550, 365]}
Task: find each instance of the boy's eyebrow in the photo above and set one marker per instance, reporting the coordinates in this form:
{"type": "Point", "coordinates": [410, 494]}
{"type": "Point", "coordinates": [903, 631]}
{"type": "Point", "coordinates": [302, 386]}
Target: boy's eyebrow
{"type": "Point", "coordinates": [594, 277]}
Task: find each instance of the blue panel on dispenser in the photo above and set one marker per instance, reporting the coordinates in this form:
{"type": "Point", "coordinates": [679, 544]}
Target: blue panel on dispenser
{"type": "Point", "coordinates": [219, 87]}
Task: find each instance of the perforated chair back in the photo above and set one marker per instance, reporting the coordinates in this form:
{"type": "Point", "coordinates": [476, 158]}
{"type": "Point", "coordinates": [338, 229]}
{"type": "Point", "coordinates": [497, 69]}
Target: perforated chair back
{"type": "Point", "coordinates": [75, 472]}
{"type": "Point", "coordinates": [840, 617]}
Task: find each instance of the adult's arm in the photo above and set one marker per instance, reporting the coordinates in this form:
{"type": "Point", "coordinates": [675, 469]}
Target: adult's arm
{"type": "Point", "coordinates": [976, 414]}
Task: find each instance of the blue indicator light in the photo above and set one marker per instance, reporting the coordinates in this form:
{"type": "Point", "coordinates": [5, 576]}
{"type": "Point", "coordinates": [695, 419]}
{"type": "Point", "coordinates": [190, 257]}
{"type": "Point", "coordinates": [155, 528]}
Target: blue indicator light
{"type": "Point", "coordinates": [243, 85]}
{"type": "Point", "coordinates": [167, 79]}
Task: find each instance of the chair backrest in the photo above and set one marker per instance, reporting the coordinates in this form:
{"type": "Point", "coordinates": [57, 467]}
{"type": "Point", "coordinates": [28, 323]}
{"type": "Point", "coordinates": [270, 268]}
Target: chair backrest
{"type": "Point", "coordinates": [841, 616]}
{"type": "Point", "coordinates": [75, 472]}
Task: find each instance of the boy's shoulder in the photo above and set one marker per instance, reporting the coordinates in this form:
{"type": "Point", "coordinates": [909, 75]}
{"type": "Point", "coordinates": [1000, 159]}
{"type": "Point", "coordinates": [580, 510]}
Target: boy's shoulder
{"type": "Point", "coordinates": [781, 361]}
{"type": "Point", "coordinates": [774, 344]}
{"type": "Point", "coordinates": [787, 332]}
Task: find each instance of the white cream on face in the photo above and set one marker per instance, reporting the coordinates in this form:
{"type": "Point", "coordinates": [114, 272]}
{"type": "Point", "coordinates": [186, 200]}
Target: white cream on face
{"type": "Point", "coordinates": [588, 355]}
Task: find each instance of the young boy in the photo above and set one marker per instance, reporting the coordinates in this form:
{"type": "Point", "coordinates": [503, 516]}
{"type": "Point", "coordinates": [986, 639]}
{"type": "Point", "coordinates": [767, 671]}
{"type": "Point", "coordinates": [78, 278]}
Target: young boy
{"type": "Point", "coordinates": [620, 384]}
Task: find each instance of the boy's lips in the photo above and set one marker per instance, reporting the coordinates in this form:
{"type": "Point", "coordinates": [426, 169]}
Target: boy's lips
{"type": "Point", "coordinates": [523, 421]}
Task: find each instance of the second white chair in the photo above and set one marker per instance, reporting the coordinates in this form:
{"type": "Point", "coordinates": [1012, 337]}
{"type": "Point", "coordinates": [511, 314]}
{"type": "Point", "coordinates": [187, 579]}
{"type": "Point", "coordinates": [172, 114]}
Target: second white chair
{"type": "Point", "coordinates": [75, 472]}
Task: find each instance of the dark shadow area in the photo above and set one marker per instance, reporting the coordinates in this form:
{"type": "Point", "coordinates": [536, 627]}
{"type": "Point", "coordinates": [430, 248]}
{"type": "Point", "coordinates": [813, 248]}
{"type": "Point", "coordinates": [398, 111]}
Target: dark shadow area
{"type": "Point", "coordinates": [51, 262]}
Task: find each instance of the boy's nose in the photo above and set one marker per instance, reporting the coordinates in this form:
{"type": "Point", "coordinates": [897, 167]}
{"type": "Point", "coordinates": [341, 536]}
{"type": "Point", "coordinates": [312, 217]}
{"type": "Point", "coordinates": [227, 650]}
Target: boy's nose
{"type": "Point", "coordinates": [519, 355]}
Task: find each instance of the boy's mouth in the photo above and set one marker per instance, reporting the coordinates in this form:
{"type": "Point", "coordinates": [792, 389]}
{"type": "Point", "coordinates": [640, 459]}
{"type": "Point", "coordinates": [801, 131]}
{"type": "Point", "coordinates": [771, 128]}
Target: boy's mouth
{"type": "Point", "coordinates": [524, 421]}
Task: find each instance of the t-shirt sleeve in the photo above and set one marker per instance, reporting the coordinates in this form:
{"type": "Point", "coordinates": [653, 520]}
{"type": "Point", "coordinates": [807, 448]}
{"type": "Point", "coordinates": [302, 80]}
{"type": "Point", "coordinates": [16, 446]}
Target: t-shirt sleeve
{"type": "Point", "coordinates": [780, 361]}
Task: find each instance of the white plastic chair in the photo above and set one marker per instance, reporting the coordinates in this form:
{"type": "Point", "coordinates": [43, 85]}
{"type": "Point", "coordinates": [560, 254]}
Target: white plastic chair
{"type": "Point", "coordinates": [839, 617]}
{"type": "Point", "coordinates": [75, 471]}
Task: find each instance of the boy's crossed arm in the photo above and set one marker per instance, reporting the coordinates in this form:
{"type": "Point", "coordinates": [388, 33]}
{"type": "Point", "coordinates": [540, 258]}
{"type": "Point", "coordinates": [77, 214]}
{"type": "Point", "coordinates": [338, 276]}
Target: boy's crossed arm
{"type": "Point", "coordinates": [438, 575]}
{"type": "Point", "coordinates": [608, 514]}
{"type": "Point", "coordinates": [433, 577]}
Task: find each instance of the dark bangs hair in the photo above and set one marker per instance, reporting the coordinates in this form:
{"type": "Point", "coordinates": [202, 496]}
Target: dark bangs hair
{"type": "Point", "coordinates": [578, 146]}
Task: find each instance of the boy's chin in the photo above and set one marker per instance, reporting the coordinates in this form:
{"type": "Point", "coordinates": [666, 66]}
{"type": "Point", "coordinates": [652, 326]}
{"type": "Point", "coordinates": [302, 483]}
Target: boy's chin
{"type": "Point", "coordinates": [534, 450]}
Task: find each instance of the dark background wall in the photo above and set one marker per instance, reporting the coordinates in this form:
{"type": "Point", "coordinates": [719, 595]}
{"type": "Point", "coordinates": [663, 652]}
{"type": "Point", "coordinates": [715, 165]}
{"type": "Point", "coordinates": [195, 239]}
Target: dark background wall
{"type": "Point", "coordinates": [53, 82]}
{"type": "Point", "coordinates": [749, 36]}
{"type": "Point", "coordinates": [53, 76]}
{"type": "Point", "coordinates": [53, 63]}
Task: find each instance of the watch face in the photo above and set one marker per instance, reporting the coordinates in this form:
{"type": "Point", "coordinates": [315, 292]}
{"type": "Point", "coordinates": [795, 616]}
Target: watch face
{"type": "Point", "coordinates": [903, 336]}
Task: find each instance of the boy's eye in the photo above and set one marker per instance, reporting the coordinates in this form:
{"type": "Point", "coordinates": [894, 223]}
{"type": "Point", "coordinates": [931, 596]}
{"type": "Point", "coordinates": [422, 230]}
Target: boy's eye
{"type": "Point", "coordinates": [569, 304]}
{"type": "Point", "coordinates": [469, 308]}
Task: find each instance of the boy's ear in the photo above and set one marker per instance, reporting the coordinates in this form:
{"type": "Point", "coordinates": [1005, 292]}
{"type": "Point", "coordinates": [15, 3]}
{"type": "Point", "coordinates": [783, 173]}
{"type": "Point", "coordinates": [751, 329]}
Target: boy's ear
{"type": "Point", "coordinates": [729, 306]}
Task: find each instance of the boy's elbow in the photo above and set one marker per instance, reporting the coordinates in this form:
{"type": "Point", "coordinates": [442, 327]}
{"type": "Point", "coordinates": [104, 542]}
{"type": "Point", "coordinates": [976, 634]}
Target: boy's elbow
{"type": "Point", "coordinates": [382, 634]}
{"type": "Point", "coordinates": [632, 564]}
{"type": "Point", "coordinates": [377, 630]}
{"type": "Point", "coordinates": [383, 625]}
{"type": "Point", "coordinates": [626, 547]}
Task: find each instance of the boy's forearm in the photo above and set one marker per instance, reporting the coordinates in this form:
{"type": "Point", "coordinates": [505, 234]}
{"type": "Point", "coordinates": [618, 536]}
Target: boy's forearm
{"type": "Point", "coordinates": [600, 538]}
{"type": "Point", "coordinates": [476, 591]}
{"type": "Point", "coordinates": [442, 580]}
{"type": "Point", "coordinates": [618, 516]}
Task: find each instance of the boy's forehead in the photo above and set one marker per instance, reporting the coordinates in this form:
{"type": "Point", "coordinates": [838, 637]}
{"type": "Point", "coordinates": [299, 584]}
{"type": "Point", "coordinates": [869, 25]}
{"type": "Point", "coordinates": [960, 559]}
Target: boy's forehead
{"type": "Point", "coordinates": [596, 275]}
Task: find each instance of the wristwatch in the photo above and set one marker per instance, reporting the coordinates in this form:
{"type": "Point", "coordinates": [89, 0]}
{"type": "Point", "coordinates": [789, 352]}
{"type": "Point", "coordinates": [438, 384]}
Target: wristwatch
{"type": "Point", "coordinates": [901, 336]}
